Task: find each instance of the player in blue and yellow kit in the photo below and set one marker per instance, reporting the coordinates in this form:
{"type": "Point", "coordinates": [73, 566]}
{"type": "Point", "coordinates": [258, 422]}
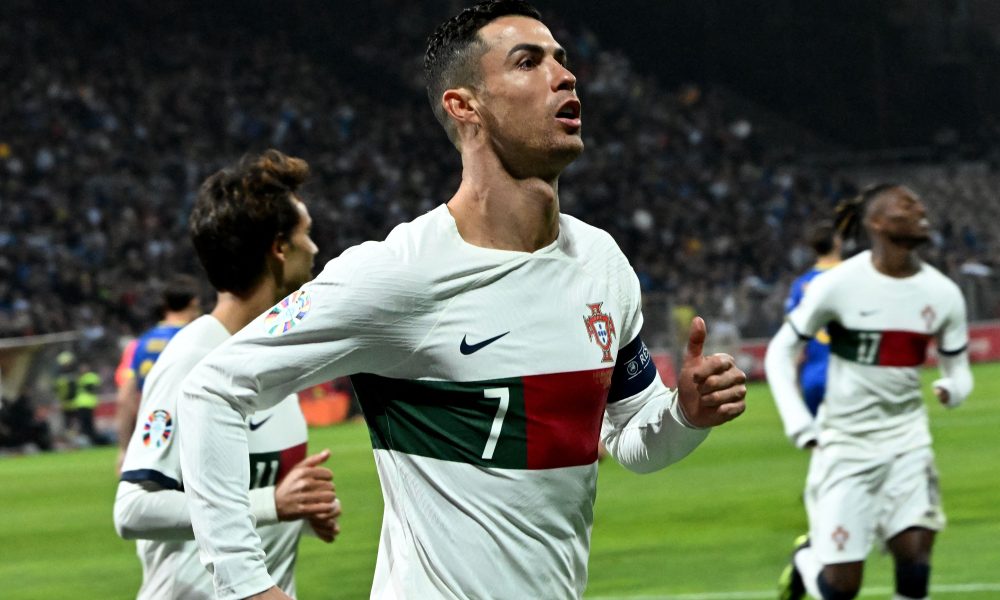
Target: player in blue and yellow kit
{"type": "Point", "coordinates": [825, 241]}
{"type": "Point", "coordinates": [181, 304]}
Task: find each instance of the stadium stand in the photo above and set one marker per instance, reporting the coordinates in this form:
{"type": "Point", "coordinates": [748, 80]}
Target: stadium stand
{"type": "Point", "coordinates": [110, 120]}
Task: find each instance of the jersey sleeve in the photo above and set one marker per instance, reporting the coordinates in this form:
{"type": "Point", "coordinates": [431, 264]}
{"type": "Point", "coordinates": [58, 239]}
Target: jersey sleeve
{"type": "Point", "coordinates": [147, 511]}
{"type": "Point", "coordinates": [348, 320]}
{"type": "Point", "coordinates": [152, 454]}
{"type": "Point", "coordinates": [953, 338]}
{"type": "Point", "coordinates": [817, 307]}
{"type": "Point", "coordinates": [644, 427]}
{"type": "Point", "coordinates": [779, 364]}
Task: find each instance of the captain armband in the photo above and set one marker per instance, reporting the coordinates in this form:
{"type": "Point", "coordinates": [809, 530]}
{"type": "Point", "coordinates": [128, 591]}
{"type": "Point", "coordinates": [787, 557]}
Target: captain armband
{"type": "Point", "coordinates": [634, 371]}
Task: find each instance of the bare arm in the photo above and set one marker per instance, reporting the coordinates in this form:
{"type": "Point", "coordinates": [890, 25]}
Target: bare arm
{"type": "Point", "coordinates": [127, 409]}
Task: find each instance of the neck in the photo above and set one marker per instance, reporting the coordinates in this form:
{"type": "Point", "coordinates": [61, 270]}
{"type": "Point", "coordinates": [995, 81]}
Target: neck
{"type": "Point", "coordinates": [893, 260]}
{"type": "Point", "coordinates": [828, 260]}
{"type": "Point", "coordinates": [494, 209]}
{"type": "Point", "coordinates": [180, 318]}
{"type": "Point", "coordinates": [235, 311]}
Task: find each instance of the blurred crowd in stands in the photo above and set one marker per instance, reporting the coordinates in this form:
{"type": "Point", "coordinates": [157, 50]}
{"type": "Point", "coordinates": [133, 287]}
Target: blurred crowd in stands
{"type": "Point", "coordinates": [108, 124]}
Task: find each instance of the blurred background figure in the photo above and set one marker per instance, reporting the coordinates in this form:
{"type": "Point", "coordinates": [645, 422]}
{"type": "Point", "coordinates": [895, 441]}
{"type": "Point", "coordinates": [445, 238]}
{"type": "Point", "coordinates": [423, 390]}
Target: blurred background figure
{"type": "Point", "coordinates": [826, 242]}
{"type": "Point", "coordinates": [181, 304]}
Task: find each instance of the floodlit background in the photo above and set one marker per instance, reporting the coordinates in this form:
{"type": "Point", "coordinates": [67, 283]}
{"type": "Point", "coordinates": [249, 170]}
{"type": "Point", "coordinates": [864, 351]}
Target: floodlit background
{"type": "Point", "coordinates": [715, 132]}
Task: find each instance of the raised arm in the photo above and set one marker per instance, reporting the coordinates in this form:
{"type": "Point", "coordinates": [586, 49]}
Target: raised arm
{"type": "Point", "coordinates": [647, 426]}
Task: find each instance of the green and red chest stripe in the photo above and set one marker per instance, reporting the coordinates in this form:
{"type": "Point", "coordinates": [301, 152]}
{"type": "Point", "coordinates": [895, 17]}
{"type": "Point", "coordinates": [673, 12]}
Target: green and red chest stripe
{"type": "Point", "coordinates": [533, 422]}
{"type": "Point", "coordinates": [888, 348]}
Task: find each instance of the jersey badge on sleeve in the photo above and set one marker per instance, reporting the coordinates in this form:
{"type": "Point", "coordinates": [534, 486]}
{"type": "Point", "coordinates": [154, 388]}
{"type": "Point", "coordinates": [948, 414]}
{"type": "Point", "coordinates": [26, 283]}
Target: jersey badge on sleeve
{"type": "Point", "coordinates": [158, 430]}
{"type": "Point", "coordinates": [287, 313]}
{"type": "Point", "coordinates": [600, 329]}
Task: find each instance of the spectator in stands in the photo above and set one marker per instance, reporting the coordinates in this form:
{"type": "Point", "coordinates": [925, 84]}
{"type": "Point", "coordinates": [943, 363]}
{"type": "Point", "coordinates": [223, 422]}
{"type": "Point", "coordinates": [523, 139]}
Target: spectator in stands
{"type": "Point", "coordinates": [106, 137]}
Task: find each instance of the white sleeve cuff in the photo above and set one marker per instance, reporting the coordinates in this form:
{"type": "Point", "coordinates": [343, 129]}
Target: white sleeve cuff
{"type": "Point", "coordinates": [232, 581]}
{"type": "Point", "coordinates": [677, 411]}
{"type": "Point", "coordinates": [804, 437]}
{"type": "Point", "coordinates": [263, 507]}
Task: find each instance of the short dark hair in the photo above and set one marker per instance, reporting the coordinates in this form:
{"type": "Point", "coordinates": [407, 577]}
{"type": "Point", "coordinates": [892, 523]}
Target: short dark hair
{"type": "Point", "coordinates": [179, 291]}
{"type": "Point", "coordinates": [454, 50]}
{"type": "Point", "coordinates": [238, 214]}
{"type": "Point", "coordinates": [820, 236]}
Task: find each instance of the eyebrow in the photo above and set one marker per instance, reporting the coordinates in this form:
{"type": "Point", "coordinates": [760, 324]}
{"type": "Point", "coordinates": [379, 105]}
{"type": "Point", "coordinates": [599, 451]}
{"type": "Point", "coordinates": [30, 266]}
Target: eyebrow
{"type": "Point", "coordinates": [559, 53]}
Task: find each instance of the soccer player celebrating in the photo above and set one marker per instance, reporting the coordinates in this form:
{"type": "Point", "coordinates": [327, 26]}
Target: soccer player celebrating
{"type": "Point", "coordinates": [492, 342]}
{"type": "Point", "coordinates": [872, 473]}
{"type": "Point", "coordinates": [825, 241]}
{"type": "Point", "coordinates": [251, 232]}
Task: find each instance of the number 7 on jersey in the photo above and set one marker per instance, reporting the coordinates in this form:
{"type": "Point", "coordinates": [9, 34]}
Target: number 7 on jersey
{"type": "Point", "coordinates": [503, 394]}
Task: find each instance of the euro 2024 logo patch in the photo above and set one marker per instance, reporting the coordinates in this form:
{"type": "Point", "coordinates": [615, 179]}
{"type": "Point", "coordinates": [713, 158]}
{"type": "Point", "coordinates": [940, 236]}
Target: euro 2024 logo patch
{"type": "Point", "coordinates": [158, 430]}
{"type": "Point", "coordinates": [600, 328]}
{"type": "Point", "coordinates": [287, 313]}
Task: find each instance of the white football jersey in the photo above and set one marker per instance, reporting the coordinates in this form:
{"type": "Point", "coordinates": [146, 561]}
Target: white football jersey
{"type": "Point", "coordinates": [485, 377]}
{"type": "Point", "coordinates": [879, 328]}
{"type": "Point", "coordinates": [277, 441]}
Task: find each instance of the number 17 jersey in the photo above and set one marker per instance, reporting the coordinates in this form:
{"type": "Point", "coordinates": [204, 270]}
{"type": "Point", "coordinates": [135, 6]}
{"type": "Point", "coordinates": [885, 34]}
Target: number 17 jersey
{"type": "Point", "coordinates": [880, 328]}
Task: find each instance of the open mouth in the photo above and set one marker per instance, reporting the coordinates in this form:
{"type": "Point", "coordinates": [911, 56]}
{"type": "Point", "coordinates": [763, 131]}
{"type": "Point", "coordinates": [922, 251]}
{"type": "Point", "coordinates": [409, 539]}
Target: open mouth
{"type": "Point", "coordinates": [569, 113]}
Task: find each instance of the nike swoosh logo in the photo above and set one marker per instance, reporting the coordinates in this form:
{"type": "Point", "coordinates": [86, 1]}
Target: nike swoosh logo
{"type": "Point", "coordinates": [256, 426]}
{"type": "Point", "coordinates": [467, 348]}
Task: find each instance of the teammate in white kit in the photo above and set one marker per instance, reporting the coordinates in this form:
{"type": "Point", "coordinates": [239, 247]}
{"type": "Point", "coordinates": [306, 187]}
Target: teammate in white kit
{"type": "Point", "coordinates": [492, 343]}
{"type": "Point", "coordinates": [872, 474]}
{"type": "Point", "coordinates": [251, 232]}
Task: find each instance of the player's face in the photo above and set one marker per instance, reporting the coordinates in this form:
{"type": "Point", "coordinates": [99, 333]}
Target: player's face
{"type": "Point", "coordinates": [529, 104]}
{"type": "Point", "coordinates": [299, 252]}
{"type": "Point", "coordinates": [903, 218]}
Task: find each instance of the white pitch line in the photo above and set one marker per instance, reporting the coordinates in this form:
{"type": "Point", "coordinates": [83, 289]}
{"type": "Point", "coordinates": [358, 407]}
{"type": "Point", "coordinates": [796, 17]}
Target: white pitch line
{"type": "Point", "coordinates": [955, 588]}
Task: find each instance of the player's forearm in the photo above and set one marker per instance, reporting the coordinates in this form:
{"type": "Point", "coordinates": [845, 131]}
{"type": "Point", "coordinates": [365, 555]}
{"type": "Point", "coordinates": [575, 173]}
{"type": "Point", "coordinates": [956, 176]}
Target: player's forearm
{"type": "Point", "coordinates": [780, 366]}
{"type": "Point", "coordinates": [648, 432]}
{"type": "Point", "coordinates": [213, 453]}
{"type": "Point", "coordinates": [126, 410]}
{"type": "Point", "coordinates": [142, 512]}
{"type": "Point", "coordinates": [957, 380]}
{"type": "Point", "coordinates": [147, 512]}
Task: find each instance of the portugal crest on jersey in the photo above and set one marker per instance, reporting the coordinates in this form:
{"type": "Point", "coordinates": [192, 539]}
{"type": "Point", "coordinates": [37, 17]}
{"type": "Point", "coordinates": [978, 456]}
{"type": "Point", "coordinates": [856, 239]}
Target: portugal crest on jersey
{"type": "Point", "coordinates": [287, 313]}
{"type": "Point", "coordinates": [158, 429]}
{"type": "Point", "coordinates": [600, 328]}
{"type": "Point", "coordinates": [929, 315]}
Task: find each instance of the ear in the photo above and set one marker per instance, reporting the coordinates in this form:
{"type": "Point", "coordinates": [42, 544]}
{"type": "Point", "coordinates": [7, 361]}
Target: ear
{"type": "Point", "coordinates": [460, 104]}
{"type": "Point", "coordinates": [278, 248]}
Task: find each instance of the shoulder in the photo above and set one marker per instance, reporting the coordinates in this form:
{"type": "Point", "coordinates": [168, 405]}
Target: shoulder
{"type": "Point", "coordinates": [591, 245]}
{"type": "Point", "coordinates": [849, 270]}
{"type": "Point", "coordinates": [405, 245]}
{"type": "Point", "coordinates": [154, 340]}
{"type": "Point", "coordinates": [183, 353]}
{"type": "Point", "coordinates": [390, 274]}
{"type": "Point", "coordinates": [942, 286]}
{"type": "Point", "coordinates": [936, 277]}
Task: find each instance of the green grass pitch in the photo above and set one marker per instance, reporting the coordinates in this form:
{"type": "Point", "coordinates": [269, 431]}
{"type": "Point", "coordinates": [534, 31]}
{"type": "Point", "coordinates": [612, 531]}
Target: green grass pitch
{"type": "Point", "coordinates": [720, 521]}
